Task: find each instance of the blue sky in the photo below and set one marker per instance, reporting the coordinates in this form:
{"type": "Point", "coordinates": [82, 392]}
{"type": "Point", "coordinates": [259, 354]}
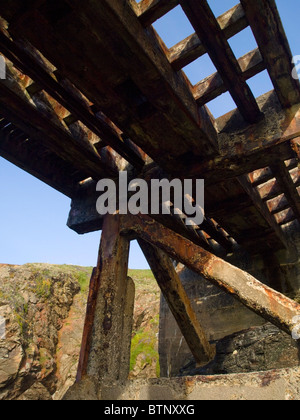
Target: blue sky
{"type": "Point", "coordinates": [33, 216]}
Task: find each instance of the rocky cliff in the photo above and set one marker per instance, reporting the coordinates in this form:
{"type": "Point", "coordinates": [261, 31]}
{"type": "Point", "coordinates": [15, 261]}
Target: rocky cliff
{"type": "Point", "coordinates": [42, 310]}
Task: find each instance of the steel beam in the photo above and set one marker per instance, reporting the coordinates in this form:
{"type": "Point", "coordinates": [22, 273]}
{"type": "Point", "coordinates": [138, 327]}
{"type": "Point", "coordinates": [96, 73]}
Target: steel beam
{"type": "Point", "coordinates": [263, 300]}
{"type": "Point", "coordinates": [179, 303]}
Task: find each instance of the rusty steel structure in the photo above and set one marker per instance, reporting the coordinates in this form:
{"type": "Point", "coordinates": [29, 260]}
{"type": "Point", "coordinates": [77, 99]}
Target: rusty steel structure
{"type": "Point", "coordinates": [91, 90]}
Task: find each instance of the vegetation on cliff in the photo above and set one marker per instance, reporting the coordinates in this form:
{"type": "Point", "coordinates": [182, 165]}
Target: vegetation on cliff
{"type": "Point", "coordinates": [44, 309]}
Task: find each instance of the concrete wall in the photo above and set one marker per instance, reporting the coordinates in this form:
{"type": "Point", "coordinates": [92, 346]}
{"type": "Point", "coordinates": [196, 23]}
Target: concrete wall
{"type": "Point", "coordinates": [220, 314]}
{"type": "Point", "coordinates": [272, 385]}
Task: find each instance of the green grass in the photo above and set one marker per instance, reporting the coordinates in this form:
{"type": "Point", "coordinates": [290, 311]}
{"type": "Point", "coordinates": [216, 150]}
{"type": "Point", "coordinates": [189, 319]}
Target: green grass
{"type": "Point", "coordinates": [81, 274]}
{"type": "Point", "coordinates": [144, 281]}
{"type": "Point", "coordinates": [145, 342]}
{"type": "Point", "coordinates": [141, 274]}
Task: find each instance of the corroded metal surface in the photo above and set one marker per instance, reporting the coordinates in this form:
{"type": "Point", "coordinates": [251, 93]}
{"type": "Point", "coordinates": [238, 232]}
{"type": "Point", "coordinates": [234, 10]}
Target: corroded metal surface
{"type": "Point", "coordinates": [106, 343]}
{"type": "Point", "coordinates": [266, 302]}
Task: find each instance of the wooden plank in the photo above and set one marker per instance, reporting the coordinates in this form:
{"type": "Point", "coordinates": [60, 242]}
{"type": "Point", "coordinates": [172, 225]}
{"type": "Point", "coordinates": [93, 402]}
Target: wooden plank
{"type": "Point", "coordinates": [213, 86]}
{"type": "Point", "coordinates": [147, 48]}
{"type": "Point", "coordinates": [232, 166]}
{"type": "Point", "coordinates": [263, 300]}
{"type": "Point", "coordinates": [105, 352]}
{"type": "Point", "coordinates": [245, 148]}
{"type": "Point", "coordinates": [285, 216]}
{"type": "Point", "coordinates": [17, 108]}
{"type": "Point", "coordinates": [260, 176]}
{"type": "Point", "coordinates": [30, 66]}
{"type": "Point", "coordinates": [287, 185]}
{"type": "Point", "coordinates": [234, 210]}
{"type": "Point", "coordinates": [292, 163]}
{"type": "Point", "coordinates": [50, 108]}
{"type": "Point", "coordinates": [268, 30]}
{"type": "Point", "coordinates": [149, 101]}
{"type": "Point", "coordinates": [209, 32]}
{"type": "Point", "coordinates": [30, 156]}
{"type": "Point", "coordinates": [149, 11]}
{"type": "Point", "coordinates": [209, 227]}
{"type": "Point", "coordinates": [263, 208]}
{"type": "Point", "coordinates": [191, 48]}
{"type": "Point", "coordinates": [278, 204]}
{"type": "Point", "coordinates": [269, 190]}
{"type": "Point", "coordinates": [179, 303]}
{"type": "Point", "coordinates": [273, 188]}
{"type": "Point", "coordinates": [83, 217]}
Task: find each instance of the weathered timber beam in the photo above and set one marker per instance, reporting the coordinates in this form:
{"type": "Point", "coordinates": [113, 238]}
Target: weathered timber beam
{"type": "Point", "coordinates": [238, 215]}
{"type": "Point", "coordinates": [268, 30]}
{"type": "Point", "coordinates": [278, 204]}
{"type": "Point", "coordinates": [149, 11]}
{"type": "Point", "coordinates": [288, 186]}
{"type": "Point", "coordinates": [231, 22]}
{"type": "Point", "coordinates": [262, 208]}
{"type": "Point", "coordinates": [285, 216]}
{"type": "Point", "coordinates": [148, 100]}
{"type": "Point", "coordinates": [260, 176]}
{"type": "Point", "coordinates": [146, 47]}
{"type": "Point", "coordinates": [83, 217]}
{"type": "Point", "coordinates": [218, 48]}
{"type": "Point", "coordinates": [213, 86]}
{"type": "Point", "coordinates": [270, 190]}
{"type": "Point", "coordinates": [105, 352]}
{"type": "Point", "coordinates": [179, 303]}
{"type": "Point", "coordinates": [273, 188]}
{"type": "Point", "coordinates": [230, 166]}
{"type": "Point", "coordinates": [245, 148]}
{"type": "Point", "coordinates": [17, 108]}
{"type": "Point", "coordinates": [209, 227]}
{"type": "Point", "coordinates": [31, 67]}
{"type": "Point", "coordinates": [263, 300]}
{"type": "Point", "coordinates": [29, 155]}
{"type": "Point", "coordinates": [233, 209]}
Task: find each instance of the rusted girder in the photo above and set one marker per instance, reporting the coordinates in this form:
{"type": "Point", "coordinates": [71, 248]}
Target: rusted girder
{"type": "Point", "coordinates": [105, 352]}
{"type": "Point", "coordinates": [179, 303]}
{"type": "Point", "coordinates": [263, 300]}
